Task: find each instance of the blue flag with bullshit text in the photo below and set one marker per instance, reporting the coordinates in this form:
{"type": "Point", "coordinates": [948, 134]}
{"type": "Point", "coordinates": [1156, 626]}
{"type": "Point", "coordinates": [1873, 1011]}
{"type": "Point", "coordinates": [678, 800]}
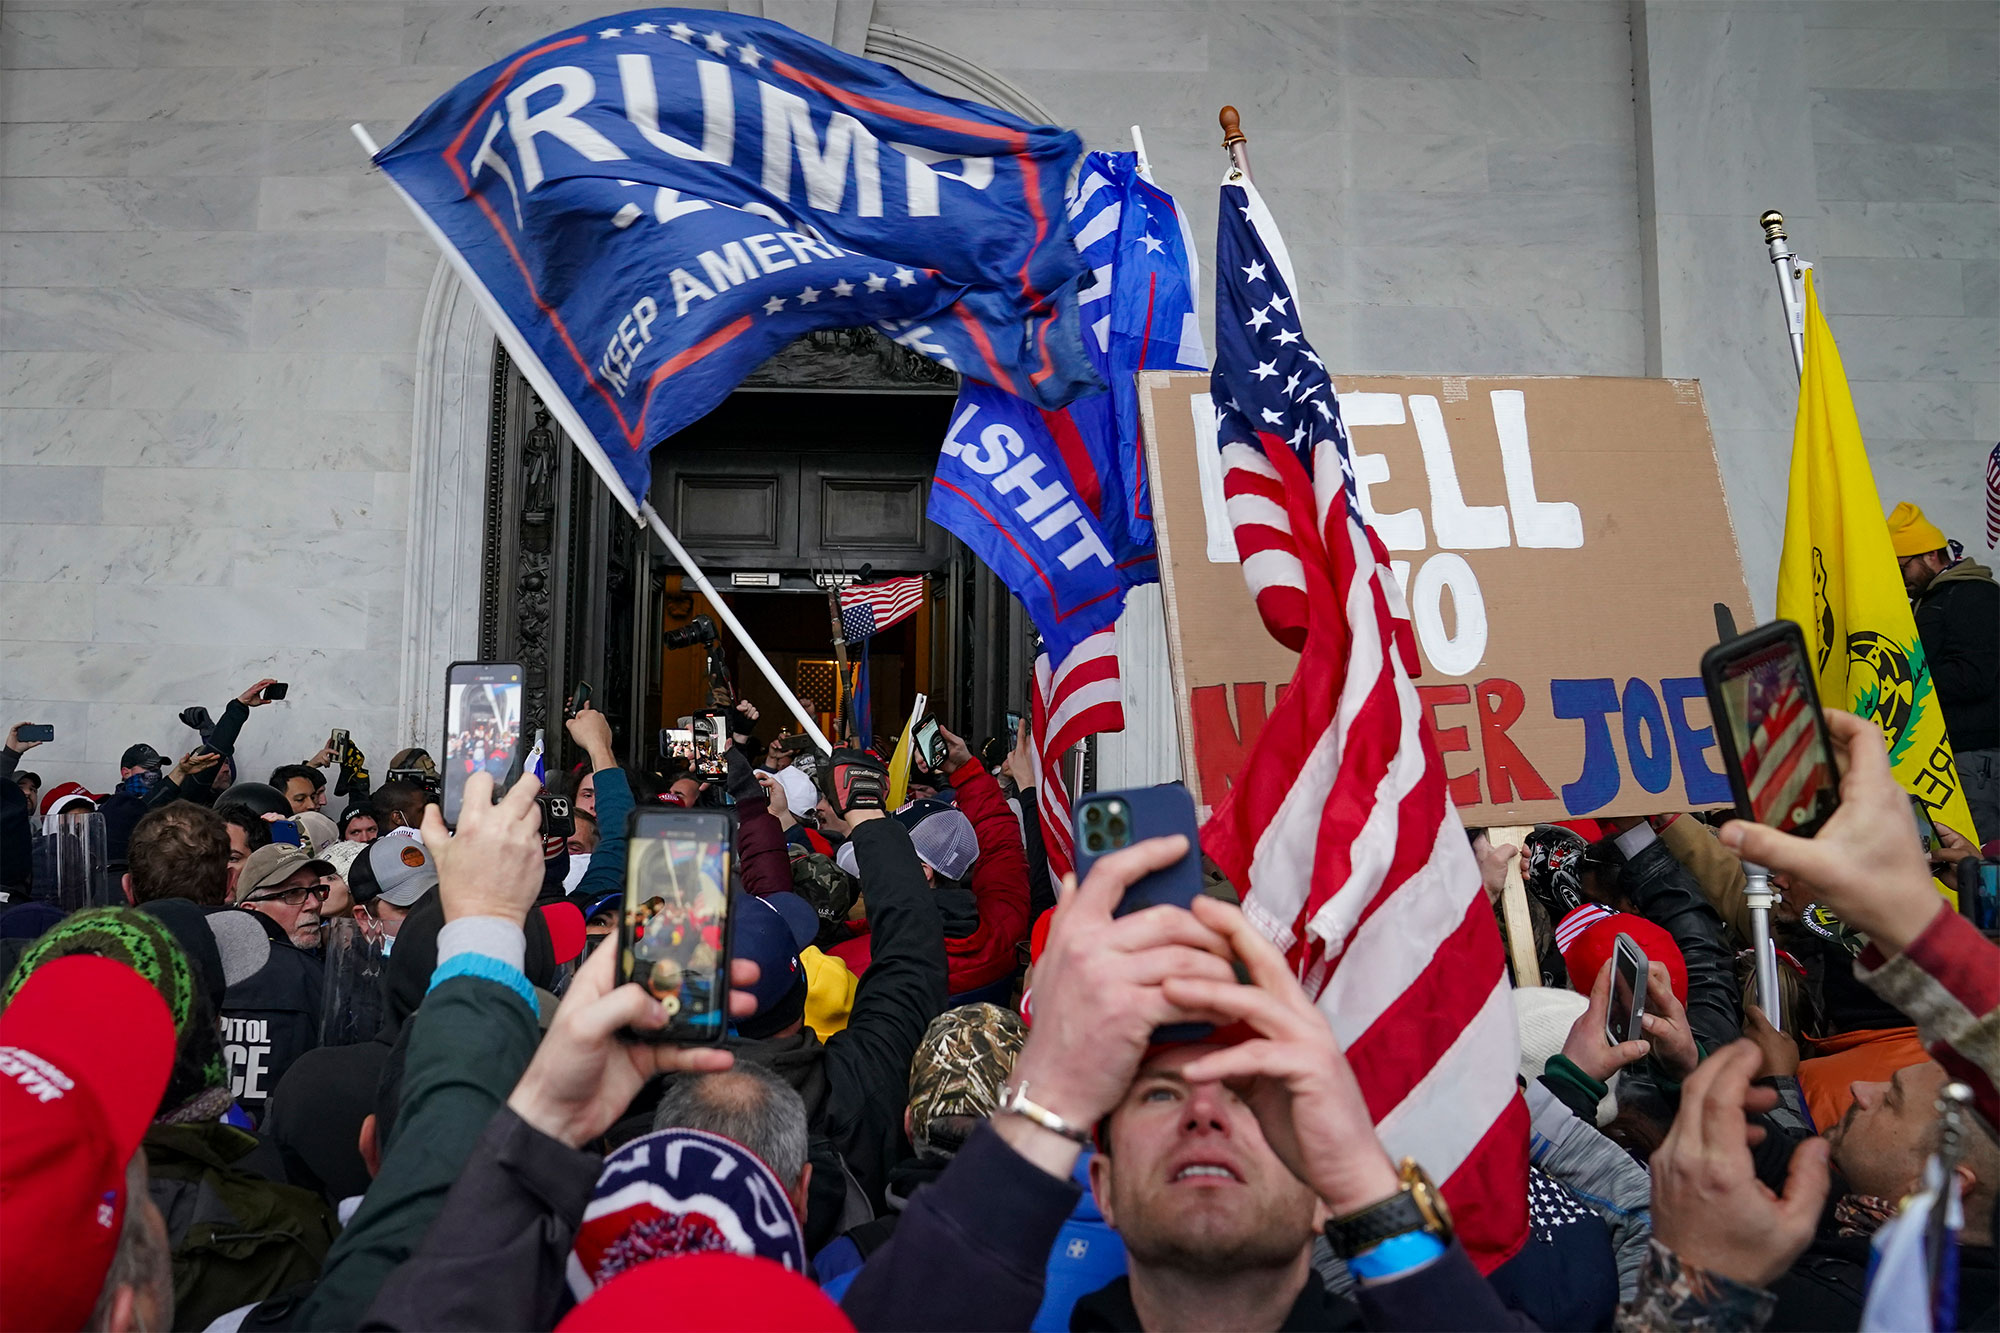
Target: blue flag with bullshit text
{"type": "Point", "coordinates": [1055, 501]}
{"type": "Point", "coordinates": [650, 205]}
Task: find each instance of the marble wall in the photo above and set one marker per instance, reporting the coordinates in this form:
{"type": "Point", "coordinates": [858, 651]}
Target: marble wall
{"type": "Point", "coordinates": [210, 313]}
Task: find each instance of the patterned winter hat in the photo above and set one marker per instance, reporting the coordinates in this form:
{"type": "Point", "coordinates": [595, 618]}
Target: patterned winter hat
{"type": "Point", "coordinates": [679, 1192]}
{"type": "Point", "coordinates": [198, 1089]}
{"type": "Point", "coordinates": [1552, 867]}
{"type": "Point", "coordinates": [966, 1054]}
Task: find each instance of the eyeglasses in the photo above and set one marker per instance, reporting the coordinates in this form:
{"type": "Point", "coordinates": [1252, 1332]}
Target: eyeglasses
{"type": "Point", "coordinates": [293, 897]}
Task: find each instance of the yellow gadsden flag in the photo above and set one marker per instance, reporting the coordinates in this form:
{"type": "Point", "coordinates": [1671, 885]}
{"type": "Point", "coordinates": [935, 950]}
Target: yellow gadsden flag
{"type": "Point", "coordinates": [1838, 579]}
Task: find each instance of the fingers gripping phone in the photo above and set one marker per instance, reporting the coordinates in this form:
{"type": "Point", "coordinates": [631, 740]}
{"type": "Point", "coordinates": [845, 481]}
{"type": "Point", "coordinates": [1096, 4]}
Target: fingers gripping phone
{"type": "Point", "coordinates": [1108, 820]}
{"type": "Point", "coordinates": [1624, 1015]}
{"type": "Point", "coordinates": [928, 743]}
{"type": "Point", "coordinates": [674, 928]}
{"type": "Point", "coordinates": [579, 698]}
{"type": "Point", "coordinates": [482, 728]}
{"type": "Point", "coordinates": [1770, 729]}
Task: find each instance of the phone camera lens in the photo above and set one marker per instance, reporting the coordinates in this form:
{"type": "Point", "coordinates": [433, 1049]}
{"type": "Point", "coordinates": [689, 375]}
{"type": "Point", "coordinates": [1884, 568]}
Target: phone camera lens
{"type": "Point", "coordinates": [1094, 841]}
{"type": "Point", "coordinates": [1093, 814]}
{"type": "Point", "coordinates": [1117, 827]}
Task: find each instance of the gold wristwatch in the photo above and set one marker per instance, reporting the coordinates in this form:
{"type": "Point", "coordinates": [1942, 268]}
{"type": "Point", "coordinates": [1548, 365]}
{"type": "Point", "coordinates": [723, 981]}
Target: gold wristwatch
{"type": "Point", "coordinates": [1417, 1206]}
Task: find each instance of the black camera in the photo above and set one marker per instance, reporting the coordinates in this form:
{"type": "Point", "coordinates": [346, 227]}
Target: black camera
{"type": "Point", "coordinates": [557, 819]}
{"type": "Point", "coordinates": [699, 630]}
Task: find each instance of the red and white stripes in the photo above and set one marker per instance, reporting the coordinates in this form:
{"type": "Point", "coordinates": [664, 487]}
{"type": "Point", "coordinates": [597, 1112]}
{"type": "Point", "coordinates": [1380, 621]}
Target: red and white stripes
{"type": "Point", "coordinates": [1339, 831]}
{"type": "Point", "coordinates": [1081, 696]}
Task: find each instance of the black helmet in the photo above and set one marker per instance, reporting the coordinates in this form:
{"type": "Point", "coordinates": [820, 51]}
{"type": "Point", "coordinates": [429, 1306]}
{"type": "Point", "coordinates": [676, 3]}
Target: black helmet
{"type": "Point", "coordinates": [260, 798]}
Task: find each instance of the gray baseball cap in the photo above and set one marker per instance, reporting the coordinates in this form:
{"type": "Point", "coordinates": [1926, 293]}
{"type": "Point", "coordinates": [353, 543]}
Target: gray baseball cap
{"type": "Point", "coordinates": [941, 833]}
{"type": "Point", "coordinates": [396, 868]}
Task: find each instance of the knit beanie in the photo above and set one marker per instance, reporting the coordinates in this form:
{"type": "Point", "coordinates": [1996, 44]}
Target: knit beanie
{"type": "Point", "coordinates": [198, 1088]}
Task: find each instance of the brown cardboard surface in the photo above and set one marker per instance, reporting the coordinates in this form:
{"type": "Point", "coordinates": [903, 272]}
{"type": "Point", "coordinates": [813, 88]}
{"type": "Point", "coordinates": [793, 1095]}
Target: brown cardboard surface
{"type": "Point", "coordinates": [1610, 631]}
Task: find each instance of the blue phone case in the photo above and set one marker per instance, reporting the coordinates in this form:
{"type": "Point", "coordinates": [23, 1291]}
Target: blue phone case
{"type": "Point", "coordinates": [1154, 812]}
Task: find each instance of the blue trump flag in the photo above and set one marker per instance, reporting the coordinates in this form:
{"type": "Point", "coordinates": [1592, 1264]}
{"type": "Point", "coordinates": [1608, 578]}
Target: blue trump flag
{"type": "Point", "coordinates": [650, 205]}
{"type": "Point", "coordinates": [1055, 501]}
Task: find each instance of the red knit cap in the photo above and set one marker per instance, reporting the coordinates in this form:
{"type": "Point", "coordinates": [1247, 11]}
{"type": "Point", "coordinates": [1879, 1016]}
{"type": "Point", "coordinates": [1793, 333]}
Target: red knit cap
{"type": "Point", "coordinates": [1588, 952]}
{"type": "Point", "coordinates": [729, 1293]}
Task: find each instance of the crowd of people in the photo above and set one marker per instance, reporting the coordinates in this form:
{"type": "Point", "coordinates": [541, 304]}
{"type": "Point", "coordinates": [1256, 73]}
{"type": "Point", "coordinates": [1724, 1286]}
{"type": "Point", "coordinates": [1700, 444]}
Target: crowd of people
{"type": "Point", "coordinates": [273, 1068]}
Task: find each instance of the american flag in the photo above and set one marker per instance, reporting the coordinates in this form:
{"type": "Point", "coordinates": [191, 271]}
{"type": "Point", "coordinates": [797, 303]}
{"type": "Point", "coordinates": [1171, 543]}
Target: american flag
{"type": "Point", "coordinates": [1073, 699]}
{"type": "Point", "coordinates": [1993, 497]}
{"type": "Point", "coordinates": [1354, 861]}
{"type": "Point", "coordinates": [870, 608]}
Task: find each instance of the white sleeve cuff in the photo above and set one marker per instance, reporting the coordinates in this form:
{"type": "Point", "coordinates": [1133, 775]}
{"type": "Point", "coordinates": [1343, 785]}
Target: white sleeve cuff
{"type": "Point", "coordinates": [494, 936]}
{"type": "Point", "coordinates": [1636, 839]}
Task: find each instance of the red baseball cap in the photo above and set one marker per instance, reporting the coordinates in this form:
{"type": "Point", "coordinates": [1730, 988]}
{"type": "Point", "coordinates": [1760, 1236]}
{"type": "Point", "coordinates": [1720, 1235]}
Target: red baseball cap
{"type": "Point", "coordinates": [566, 933]}
{"type": "Point", "coordinates": [729, 1293]}
{"type": "Point", "coordinates": [76, 1106]}
{"type": "Point", "coordinates": [1587, 936]}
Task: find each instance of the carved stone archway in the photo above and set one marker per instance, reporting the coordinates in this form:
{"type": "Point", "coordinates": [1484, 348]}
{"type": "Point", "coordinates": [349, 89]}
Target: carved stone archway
{"type": "Point", "coordinates": [454, 413]}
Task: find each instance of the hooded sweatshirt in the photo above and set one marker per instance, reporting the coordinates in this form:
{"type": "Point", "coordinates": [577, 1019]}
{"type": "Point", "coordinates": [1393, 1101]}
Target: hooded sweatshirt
{"type": "Point", "coordinates": [1958, 619]}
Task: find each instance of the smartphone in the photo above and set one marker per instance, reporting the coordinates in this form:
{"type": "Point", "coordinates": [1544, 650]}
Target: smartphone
{"type": "Point", "coordinates": [1013, 727]}
{"type": "Point", "coordinates": [677, 745]}
{"type": "Point", "coordinates": [1108, 820]}
{"type": "Point", "coordinates": [579, 698]}
{"type": "Point", "coordinates": [708, 735]}
{"type": "Point", "coordinates": [286, 831]}
{"type": "Point", "coordinates": [1628, 992]}
{"type": "Point", "coordinates": [1770, 729]}
{"type": "Point", "coordinates": [927, 743]}
{"type": "Point", "coordinates": [673, 929]}
{"type": "Point", "coordinates": [275, 690]}
{"type": "Point", "coordinates": [558, 820]}
{"type": "Point", "coordinates": [799, 744]}
{"type": "Point", "coordinates": [1926, 831]}
{"type": "Point", "coordinates": [35, 731]}
{"type": "Point", "coordinates": [482, 729]}
{"type": "Point", "coordinates": [1979, 892]}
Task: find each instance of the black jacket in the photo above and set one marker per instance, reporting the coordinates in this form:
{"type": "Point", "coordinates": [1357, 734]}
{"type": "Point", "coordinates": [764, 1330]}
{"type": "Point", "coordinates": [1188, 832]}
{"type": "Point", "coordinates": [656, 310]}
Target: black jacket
{"type": "Point", "coordinates": [270, 1018]}
{"type": "Point", "coordinates": [856, 1085]}
{"type": "Point", "coordinates": [1958, 619]}
{"type": "Point", "coordinates": [17, 839]}
{"type": "Point", "coordinates": [200, 788]}
{"type": "Point", "coordinates": [1663, 891]}
{"type": "Point", "coordinates": [975, 1251]}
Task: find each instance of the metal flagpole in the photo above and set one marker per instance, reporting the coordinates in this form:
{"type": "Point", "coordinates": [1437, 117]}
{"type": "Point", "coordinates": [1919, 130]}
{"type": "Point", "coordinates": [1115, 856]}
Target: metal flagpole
{"type": "Point", "coordinates": [544, 385]}
{"type": "Point", "coordinates": [1758, 897]}
{"type": "Point", "coordinates": [1790, 269]}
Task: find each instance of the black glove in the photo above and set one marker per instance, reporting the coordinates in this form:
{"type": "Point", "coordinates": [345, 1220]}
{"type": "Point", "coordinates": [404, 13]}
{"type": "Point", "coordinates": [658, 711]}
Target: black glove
{"type": "Point", "coordinates": [741, 779]}
{"type": "Point", "coordinates": [741, 729]}
{"type": "Point", "coordinates": [854, 780]}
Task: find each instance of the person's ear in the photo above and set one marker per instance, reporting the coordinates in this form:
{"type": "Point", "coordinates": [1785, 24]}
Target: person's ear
{"type": "Point", "coordinates": [125, 882]}
{"type": "Point", "coordinates": [123, 1317]}
{"type": "Point", "coordinates": [804, 1191]}
{"type": "Point", "coordinates": [371, 1156]}
{"type": "Point", "coordinates": [1100, 1186]}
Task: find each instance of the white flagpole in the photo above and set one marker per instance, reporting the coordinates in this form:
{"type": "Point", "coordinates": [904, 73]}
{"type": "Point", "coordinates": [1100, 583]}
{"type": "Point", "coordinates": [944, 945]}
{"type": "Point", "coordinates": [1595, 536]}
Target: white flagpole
{"type": "Point", "coordinates": [559, 406]}
{"type": "Point", "coordinates": [1145, 163]}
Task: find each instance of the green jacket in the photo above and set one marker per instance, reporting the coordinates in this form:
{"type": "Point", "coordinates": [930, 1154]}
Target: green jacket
{"type": "Point", "coordinates": [468, 1046]}
{"type": "Point", "coordinates": [235, 1236]}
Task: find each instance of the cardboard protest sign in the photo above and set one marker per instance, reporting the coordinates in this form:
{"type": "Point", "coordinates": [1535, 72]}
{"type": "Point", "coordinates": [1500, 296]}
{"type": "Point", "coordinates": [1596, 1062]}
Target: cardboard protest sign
{"type": "Point", "coordinates": [1561, 544]}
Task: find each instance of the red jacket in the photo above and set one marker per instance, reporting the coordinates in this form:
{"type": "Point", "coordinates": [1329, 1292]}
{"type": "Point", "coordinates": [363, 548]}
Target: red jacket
{"type": "Point", "coordinates": [1949, 981]}
{"type": "Point", "coordinates": [999, 882]}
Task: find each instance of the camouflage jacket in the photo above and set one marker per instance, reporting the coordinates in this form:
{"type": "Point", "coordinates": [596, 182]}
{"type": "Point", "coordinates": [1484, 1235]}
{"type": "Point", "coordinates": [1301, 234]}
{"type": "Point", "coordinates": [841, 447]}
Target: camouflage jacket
{"type": "Point", "coordinates": [1689, 1300]}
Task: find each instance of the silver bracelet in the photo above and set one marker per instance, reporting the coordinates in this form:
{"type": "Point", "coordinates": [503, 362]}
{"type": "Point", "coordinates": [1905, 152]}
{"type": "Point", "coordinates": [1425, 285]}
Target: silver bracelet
{"type": "Point", "coordinates": [1014, 1101]}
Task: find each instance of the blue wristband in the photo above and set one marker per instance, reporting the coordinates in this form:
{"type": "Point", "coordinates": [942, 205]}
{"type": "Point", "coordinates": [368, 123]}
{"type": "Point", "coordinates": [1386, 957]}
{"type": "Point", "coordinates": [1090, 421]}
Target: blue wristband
{"type": "Point", "coordinates": [486, 968]}
{"type": "Point", "coordinates": [1396, 1255]}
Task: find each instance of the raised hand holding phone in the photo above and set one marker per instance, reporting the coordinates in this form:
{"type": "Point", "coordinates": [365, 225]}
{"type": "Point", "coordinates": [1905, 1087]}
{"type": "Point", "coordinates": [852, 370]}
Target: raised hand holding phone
{"type": "Point", "coordinates": [584, 1074]}
{"type": "Point", "coordinates": [1863, 863]}
{"type": "Point", "coordinates": [494, 866]}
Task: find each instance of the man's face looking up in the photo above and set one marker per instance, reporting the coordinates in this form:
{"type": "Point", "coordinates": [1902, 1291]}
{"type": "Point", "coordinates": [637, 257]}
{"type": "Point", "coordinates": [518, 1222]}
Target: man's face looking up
{"type": "Point", "coordinates": [1189, 1183]}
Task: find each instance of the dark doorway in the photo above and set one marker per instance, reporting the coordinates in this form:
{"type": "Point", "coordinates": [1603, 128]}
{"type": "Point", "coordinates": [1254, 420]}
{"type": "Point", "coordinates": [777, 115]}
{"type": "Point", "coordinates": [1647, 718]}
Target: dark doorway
{"type": "Point", "coordinates": [817, 471]}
